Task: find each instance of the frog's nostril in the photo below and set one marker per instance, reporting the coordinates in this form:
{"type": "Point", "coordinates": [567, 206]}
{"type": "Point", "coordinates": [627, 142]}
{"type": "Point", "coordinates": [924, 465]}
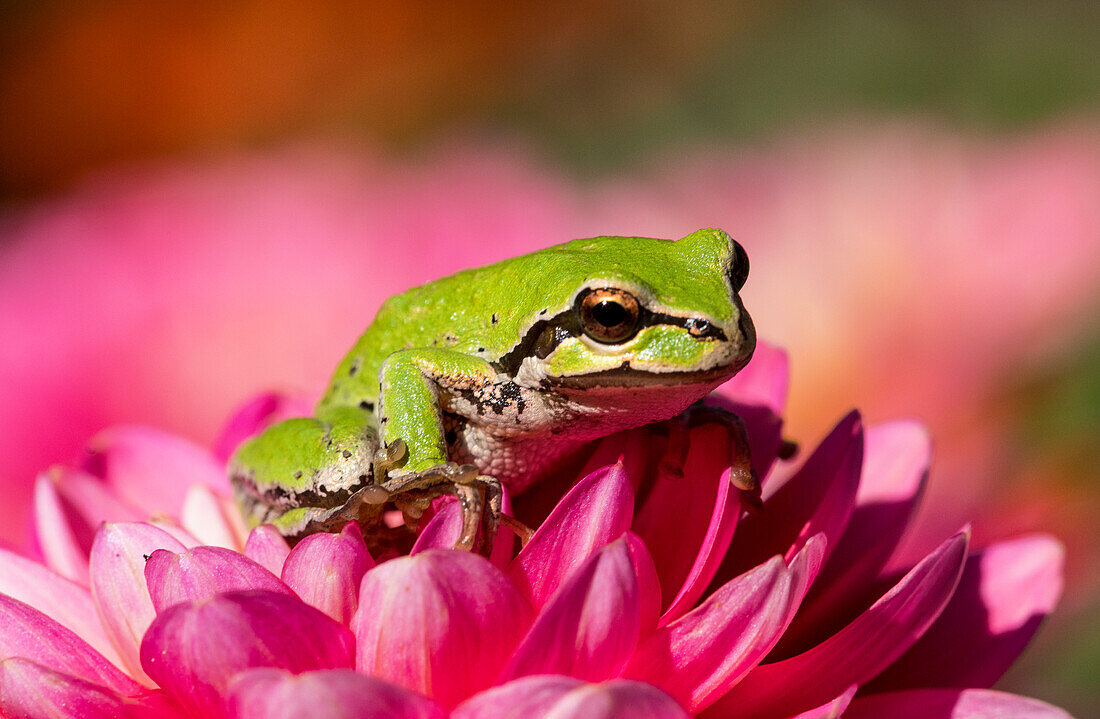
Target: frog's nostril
{"type": "Point", "coordinates": [699, 327]}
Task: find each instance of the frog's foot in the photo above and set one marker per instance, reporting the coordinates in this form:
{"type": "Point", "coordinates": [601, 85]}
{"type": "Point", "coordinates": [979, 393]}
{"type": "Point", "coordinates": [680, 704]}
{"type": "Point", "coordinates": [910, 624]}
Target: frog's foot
{"type": "Point", "coordinates": [742, 474]}
{"type": "Point", "coordinates": [484, 492]}
{"type": "Point", "coordinates": [413, 492]}
{"type": "Point", "coordinates": [517, 528]}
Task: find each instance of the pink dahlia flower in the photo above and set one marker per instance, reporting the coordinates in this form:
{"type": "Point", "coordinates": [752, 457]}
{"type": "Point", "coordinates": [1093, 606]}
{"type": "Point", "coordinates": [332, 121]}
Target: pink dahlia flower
{"type": "Point", "coordinates": [639, 594]}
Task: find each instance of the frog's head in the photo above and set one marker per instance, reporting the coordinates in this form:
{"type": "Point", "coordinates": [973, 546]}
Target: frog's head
{"type": "Point", "coordinates": [645, 313]}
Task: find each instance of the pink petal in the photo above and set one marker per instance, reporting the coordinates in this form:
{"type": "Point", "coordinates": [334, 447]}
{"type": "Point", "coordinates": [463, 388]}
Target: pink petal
{"type": "Point", "coordinates": [180, 534]}
{"type": "Point", "coordinates": [649, 585]}
{"type": "Point", "coordinates": [268, 548]}
{"type": "Point", "coordinates": [118, 585]}
{"type": "Point", "coordinates": [763, 381]}
{"type": "Point", "coordinates": [704, 652]}
{"type": "Point", "coordinates": [61, 599]}
{"type": "Point", "coordinates": [591, 625]}
{"type": "Point", "coordinates": [58, 535]}
{"type": "Point", "coordinates": [819, 497]}
{"type": "Point", "coordinates": [27, 633]}
{"type": "Point", "coordinates": [331, 694]}
{"type": "Point", "coordinates": [442, 530]}
{"type": "Point", "coordinates": [88, 502]}
{"type": "Point", "coordinates": [859, 651]}
{"type": "Point", "coordinates": [198, 574]}
{"type": "Point", "coordinates": [325, 570]}
{"type": "Point", "coordinates": [32, 691]}
{"type": "Point", "coordinates": [951, 704]}
{"type": "Point", "coordinates": [568, 698]}
{"type": "Point", "coordinates": [253, 416]}
{"type": "Point", "coordinates": [636, 450]}
{"type": "Point", "coordinates": [193, 650]}
{"type": "Point", "coordinates": [895, 468]}
{"type": "Point", "coordinates": [832, 709]}
{"type": "Point", "coordinates": [151, 469]}
{"type": "Point", "coordinates": [211, 520]}
{"type": "Point", "coordinates": [597, 510]}
{"type": "Point", "coordinates": [1005, 592]}
{"type": "Point", "coordinates": [442, 623]}
{"type": "Point", "coordinates": [688, 545]}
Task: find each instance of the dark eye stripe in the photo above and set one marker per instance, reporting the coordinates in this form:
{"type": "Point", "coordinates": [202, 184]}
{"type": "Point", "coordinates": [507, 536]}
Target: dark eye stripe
{"type": "Point", "coordinates": [545, 335]}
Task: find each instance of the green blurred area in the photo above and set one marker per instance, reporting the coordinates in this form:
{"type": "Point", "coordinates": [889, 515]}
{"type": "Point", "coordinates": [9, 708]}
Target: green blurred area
{"type": "Point", "coordinates": [1056, 413]}
{"type": "Point", "coordinates": [988, 65]}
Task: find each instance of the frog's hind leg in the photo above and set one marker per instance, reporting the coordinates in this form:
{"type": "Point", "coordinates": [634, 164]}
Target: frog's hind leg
{"type": "Point", "coordinates": [307, 475]}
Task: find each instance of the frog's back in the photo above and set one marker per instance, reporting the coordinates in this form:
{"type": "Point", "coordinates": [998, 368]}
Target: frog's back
{"type": "Point", "coordinates": [484, 311]}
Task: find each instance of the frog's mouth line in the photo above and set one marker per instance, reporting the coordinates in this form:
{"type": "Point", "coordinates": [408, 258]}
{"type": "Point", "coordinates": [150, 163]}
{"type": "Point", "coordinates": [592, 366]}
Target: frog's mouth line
{"type": "Point", "coordinates": [626, 376]}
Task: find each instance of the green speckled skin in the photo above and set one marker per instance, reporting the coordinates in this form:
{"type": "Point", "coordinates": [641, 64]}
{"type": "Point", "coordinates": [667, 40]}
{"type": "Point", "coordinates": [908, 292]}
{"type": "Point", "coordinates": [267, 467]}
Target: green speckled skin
{"type": "Point", "coordinates": [477, 366]}
{"type": "Point", "coordinates": [453, 312]}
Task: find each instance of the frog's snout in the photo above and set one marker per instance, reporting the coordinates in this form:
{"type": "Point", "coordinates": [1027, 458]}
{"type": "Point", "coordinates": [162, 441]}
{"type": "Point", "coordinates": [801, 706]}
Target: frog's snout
{"type": "Point", "coordinates": [747, 331]}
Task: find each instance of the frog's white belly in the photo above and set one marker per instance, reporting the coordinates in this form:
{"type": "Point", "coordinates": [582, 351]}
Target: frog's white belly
{"type": "Point", "coordinates": [516, 434]}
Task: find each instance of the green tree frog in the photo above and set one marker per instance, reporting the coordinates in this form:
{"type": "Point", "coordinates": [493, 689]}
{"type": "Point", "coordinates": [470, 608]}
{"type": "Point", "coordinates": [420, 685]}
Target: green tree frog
{"type": "Point", "coordinates": [495, 375]}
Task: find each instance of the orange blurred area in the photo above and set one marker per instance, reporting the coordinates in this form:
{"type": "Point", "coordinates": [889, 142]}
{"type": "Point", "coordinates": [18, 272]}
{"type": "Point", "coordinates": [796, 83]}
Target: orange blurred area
{"type": "Point", "coordinates": [84, 84]}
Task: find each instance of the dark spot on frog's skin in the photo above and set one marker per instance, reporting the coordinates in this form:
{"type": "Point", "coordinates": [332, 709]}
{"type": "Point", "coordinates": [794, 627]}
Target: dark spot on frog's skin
{"type": "Point", "coordinates": [543, 312]}
{"type": "Point", "coordinates": [356, 363]}
{"type": "Point", "coordinates": [504, 395]}
{"type": "Point", "coordinates": [298, 474]}
{"type": "Point", "coordinates": [383, 420]}
{"type": "Point", "coordinates": [345, 454]}
{"type": "Point", "coordinates": [368, 406]}
{"type": "Point", "coordinates": [145, 557]}
{"type": "Point", "coordinates": [493, 318]}
{"type": "Point", "coordinates": [480, 349]}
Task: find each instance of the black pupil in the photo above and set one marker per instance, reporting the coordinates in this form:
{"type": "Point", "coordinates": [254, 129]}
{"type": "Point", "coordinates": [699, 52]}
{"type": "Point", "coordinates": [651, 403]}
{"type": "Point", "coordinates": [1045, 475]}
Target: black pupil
{"type": "Point", "coordinates": [609, 314]}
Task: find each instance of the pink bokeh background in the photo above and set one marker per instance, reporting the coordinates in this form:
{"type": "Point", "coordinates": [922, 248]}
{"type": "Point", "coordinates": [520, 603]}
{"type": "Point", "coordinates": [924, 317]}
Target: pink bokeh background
{"type": "Point", "coordinates": [911, 271]}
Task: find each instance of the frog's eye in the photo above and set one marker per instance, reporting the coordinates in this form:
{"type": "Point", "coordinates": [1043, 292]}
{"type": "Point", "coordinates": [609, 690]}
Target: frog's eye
{"type": "Point", "coordinates": [739, 266]}
{"type": "Point", "coordinates": [608, 314]}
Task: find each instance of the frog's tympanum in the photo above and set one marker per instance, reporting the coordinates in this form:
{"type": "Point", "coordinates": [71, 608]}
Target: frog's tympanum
{"type": "Point", "coordinates": [495, 376]}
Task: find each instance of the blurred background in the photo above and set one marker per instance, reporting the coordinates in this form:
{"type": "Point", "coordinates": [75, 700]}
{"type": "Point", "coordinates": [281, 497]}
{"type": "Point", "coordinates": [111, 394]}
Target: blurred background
{"type": "Point", "coordinates": [201, 202]}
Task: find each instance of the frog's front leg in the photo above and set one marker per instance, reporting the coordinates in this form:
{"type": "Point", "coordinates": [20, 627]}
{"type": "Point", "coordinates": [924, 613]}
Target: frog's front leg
{"type": "Point", "coordinates": [741, 472]}
{"type": "Point", "coordinates": [416, 384]}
